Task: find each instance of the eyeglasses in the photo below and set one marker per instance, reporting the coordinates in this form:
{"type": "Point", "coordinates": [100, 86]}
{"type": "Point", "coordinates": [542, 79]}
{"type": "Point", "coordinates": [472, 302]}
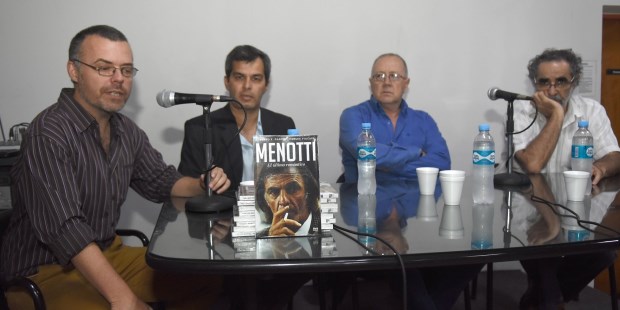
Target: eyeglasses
{"type": "Point", "coordinates": [393, 76]}
{"type": "Point", "coordinates": [126, 71]}
{"type": "Point", "coordinates": [560, 83]}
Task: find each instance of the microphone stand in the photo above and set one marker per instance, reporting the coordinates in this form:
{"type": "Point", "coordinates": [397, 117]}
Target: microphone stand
{"type": "Point", "coordinates": [510, 180]}
{"type": "Point", "coordinates": [209, 202]}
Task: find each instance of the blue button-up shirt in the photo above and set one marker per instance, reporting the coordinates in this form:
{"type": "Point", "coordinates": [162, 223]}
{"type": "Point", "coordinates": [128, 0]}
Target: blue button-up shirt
{"type": "Point", "coordinates": [415, 141]}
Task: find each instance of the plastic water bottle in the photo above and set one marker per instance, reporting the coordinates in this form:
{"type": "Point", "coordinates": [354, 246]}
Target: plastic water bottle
{"type": "Point", "coordinates": [582, 151]}
{"type": "Point", "coordinates": [484, 166]}
{"type": "Point", "coordinates": [366, 220]}
{"type": "Point", "coordinates": [366, 161]}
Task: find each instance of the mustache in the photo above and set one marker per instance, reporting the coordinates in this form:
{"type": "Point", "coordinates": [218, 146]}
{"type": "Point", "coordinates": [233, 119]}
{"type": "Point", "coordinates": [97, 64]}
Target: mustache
{"type": "Point", "coordinates": [556, 98]}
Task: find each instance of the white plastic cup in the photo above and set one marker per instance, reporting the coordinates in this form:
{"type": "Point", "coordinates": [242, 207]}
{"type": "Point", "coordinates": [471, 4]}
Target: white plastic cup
{"type": "Point", "coordinates": [427, 178]}
{"type": "Point", "coordinates": [452, 186]}
{"type": "Point", "coordinates": [451, 226]}
{"type": "Point", "coordinates": [568, 221]}
{"type": "Point", "coordinates": [576, 184]}
{"type": "Point", "coordinates": [427, 210]}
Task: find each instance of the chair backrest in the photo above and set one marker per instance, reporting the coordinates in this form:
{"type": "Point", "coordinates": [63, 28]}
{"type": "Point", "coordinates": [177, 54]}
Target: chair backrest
{"type": "Point", "coordinates": [5, 217]}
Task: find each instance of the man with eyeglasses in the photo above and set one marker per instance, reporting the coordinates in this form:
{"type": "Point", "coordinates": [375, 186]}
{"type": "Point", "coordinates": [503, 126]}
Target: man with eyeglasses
{"type": "Point", "coordinates": [406, 138]}
{"type": "Point", "coordinates": [77, 162]}
{"type": "Point", "coordinates": [546, 147]}
{"type": "Point", "coordinates": [248, 70]}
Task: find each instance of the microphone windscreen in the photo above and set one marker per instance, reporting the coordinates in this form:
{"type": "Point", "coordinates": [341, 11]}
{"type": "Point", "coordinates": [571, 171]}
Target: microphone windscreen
{"type": "Point", "coordinates": [491, 93]}
{"type": "Point", "coordinates": [165, 98]}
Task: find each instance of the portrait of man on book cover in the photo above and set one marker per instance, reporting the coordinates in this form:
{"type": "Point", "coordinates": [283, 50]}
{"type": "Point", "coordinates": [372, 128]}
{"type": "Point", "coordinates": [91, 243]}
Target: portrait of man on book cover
{"type": "Point", "coordinates": [288, 194]}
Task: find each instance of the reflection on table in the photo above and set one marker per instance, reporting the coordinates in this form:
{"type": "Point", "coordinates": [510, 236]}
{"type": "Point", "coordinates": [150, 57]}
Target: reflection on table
{"type": "Point", "coordinates": [421, 228]}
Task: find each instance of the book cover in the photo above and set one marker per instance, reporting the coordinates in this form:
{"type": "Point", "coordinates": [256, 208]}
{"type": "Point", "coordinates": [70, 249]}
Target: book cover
{"type": "Point", "coordinates": [286, 178]}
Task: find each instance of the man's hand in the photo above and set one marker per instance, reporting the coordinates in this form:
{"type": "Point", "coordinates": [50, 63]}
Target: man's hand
{"type": "Point", "coordinates": [543, 230]}
{"type": "Point", "coordinates": [607, 166]}
{"type": "Point", "coordinates": [280, 224]}
{"type": "Point", "coordinates": [190, 187]}
{"type": "Point", "coordinates": [219, 180]}
{"type": "Point", "coordinates": [597, 174]}
{"type": "Point", "coordinates": [535, 156]}
{"type": "Point", "coordinates": [96, 269]}
{"type": "Point", "coordinates": [135, 304]}
{"type": "Point", "coordinates": [220, 229]}
{"type": "Point", "coordinates": [547, 106]}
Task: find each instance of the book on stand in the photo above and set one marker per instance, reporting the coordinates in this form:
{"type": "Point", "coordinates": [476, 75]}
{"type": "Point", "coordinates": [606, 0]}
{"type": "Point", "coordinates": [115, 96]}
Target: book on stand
{"type": "Point", "coordinates": [286, 178]}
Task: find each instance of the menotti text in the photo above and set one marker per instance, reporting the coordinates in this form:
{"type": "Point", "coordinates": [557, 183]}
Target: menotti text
{"type": "Point", "coordinates": [285, 152]}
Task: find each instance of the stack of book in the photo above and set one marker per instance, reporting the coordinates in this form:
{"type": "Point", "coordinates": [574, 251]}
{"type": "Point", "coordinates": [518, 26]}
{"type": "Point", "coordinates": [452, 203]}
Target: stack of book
{"type": "Point", "coordinates": [245, 247]}
{"type": "Point", "coordinates": [329, 206]}
{"type": "Point", "coordinates": [328, 246]}
{"type": "Point", "coordinates": [244, 216]}
{"type": "Point", "coordinates": [244, 223]}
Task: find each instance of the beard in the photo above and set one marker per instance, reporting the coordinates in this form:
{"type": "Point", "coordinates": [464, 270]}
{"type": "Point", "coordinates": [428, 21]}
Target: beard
{"type": "Point", "coordinates": [563, 101]}
{"type": "Point", "coordinates": [559, 99]}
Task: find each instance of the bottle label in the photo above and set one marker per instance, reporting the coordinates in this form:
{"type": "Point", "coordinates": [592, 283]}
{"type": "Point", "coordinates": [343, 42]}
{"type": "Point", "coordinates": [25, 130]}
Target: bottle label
{"type": "Point", "coordinates": [481, 157]}
{"type": "Point", "coordinates": [366, 153]}
{"type": "Point", "coordinates": [582, 151]}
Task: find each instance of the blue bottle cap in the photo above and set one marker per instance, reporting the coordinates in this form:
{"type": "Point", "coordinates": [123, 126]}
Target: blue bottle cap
{"type": "Point", "coordinates": [293, 132]}
{"type": "Point", "coordinates": [484, 127]}
{"type": "Point", "coordinates": [583, 123]}
{"type": "Point", "coordinates": [365, 125]}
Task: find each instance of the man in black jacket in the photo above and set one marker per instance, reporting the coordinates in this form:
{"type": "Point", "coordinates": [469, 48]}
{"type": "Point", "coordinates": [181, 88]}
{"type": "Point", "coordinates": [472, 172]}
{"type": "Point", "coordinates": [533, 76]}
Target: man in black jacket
{"type": "Point", "coordinates": [247, 78]}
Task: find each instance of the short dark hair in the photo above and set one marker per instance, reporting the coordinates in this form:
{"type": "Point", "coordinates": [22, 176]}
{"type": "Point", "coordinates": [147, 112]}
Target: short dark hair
{"type": "Point", "coordinates": [247, 53]}
{"type": "Point", "coordinates": [551, 54]}
{"type": "Point", "coordinates": [104, 31]}
{"type": "Point", "coordinates": [310, 183]}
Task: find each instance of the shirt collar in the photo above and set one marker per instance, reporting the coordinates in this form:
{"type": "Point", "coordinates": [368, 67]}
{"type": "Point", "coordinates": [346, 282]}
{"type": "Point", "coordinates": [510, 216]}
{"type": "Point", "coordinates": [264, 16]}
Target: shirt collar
{"type": "Point", "coordinates": [259, 124]}
{"type": "Point", "coordinates": [83, 119]}
{"type": "Point", "coordinates": [404, 107]}
{"type": "Point", "coordinates": [574, 112]}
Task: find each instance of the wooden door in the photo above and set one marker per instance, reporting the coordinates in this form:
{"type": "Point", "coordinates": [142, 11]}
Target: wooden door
{"type": "Point", "coordinates": [610, 99]}
{"type": "Point", "coordinates": [610, 69]}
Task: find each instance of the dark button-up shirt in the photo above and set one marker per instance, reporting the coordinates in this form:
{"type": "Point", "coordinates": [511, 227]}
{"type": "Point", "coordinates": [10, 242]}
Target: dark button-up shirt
{"type": "Point", "coordinates": [67, 191]}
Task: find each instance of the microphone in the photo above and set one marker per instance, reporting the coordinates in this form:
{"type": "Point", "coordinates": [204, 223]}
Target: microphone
{"type": "Point", "coordinates": [168, 98]}
{"type": "Point", "coordinates": [495, 93]}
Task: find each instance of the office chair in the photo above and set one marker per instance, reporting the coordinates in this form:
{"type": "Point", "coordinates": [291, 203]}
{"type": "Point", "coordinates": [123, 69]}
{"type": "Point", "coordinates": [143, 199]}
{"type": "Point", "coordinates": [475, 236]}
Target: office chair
{"type": "Point", "coordinates": [31, 287]}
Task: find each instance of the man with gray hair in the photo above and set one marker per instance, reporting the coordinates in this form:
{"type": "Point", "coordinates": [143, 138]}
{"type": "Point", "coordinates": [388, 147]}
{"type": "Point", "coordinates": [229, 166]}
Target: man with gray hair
{"type": "Point", "coordinates": [406, 138]}
{"type": "Point", "coordinates": [546, 147]}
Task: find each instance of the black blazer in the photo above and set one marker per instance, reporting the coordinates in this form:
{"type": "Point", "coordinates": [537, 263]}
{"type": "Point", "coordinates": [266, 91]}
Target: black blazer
{"type": "Point", "coordinates": [226, 147]}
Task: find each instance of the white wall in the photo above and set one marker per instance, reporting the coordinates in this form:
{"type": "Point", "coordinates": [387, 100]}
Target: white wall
{"type": "Point", "coordinates": [321, 51]}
